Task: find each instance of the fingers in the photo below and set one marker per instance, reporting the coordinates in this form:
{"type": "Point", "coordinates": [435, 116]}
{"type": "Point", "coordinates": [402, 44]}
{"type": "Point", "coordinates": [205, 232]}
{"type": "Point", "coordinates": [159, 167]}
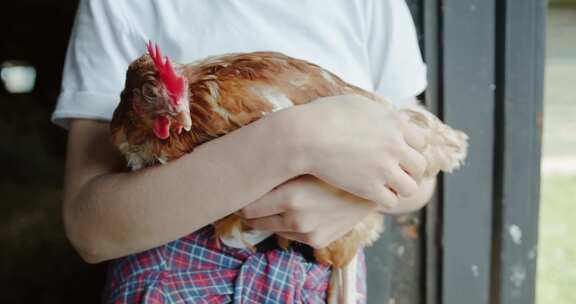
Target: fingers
{"type": "Point", "coordinates": [273, 223]}
{"type": "Point", "coordinates": [401, 182]}
{"type": "Point", "coordinates": [320, 238]}
{"type": "Point", "coordinates": [413, 163]}
{"type": "Point", "coordinates": [388, 197]}
{"type": "Point", "coordinates": [413, 135]}
{"type": "Point", "coordinates": [283, 198]}
{"type": "Point", "coordinates": [283, 223]}
{"type": "Point", "coordinates": [269, 204]}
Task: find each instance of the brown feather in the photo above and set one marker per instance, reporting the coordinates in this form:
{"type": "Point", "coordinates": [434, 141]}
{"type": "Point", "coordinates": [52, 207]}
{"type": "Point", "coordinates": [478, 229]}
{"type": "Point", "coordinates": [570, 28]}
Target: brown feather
{"type": "Point", "coordinates": [230, 91]}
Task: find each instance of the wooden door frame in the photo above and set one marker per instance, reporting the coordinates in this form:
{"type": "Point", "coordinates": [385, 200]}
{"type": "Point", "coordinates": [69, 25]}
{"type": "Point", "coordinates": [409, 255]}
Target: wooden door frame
{"type": "Point", "coordinates": [486, 63]}
{"type": "Point", "coordinates": [477, 238]}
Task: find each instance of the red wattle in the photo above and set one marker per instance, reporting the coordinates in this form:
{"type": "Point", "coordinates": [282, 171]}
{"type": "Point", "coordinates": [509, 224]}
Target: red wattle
{"type": "Point", "coordinates": [161, 127]}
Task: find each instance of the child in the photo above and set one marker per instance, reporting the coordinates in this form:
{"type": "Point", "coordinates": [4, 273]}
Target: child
{"type": "Point", "coordinates": [154, 222]}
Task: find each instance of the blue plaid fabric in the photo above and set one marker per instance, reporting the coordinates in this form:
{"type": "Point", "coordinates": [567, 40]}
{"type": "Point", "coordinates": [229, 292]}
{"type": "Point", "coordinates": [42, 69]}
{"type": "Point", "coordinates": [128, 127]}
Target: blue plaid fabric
{"type": "Point", "coordinates": [198, 269]}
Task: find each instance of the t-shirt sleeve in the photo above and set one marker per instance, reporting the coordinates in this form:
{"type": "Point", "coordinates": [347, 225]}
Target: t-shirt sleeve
{"type": "Point", "coordinates": [397, 69]}
{"type": "Point", "coordinates": [101, 47]}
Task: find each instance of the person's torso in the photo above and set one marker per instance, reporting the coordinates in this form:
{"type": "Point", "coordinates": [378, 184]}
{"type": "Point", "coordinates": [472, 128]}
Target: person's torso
{"type": "Point", "coordinates": [330, 33]}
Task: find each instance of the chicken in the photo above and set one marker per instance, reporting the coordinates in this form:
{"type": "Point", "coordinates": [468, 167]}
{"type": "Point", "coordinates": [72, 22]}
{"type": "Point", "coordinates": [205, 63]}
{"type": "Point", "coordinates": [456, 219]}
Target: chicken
{"type": "Point", "coordinates": [166, 110]}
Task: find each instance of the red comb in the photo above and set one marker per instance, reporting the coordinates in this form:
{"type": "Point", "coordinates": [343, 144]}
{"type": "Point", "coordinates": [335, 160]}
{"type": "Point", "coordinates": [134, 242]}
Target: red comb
{"type": "Point", "coordinates": [174, 83]}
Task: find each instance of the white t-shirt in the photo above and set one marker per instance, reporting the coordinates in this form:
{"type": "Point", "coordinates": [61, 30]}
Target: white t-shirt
{"type": "Point", "coordinates": [369, 43]}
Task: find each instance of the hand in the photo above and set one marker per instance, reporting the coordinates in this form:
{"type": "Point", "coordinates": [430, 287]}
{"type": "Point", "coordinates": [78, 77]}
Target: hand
{"type": "Point", "coordinates": [307, 210]}
{"type": "Point", "coordinates": [415, 202]}
{"type": "Point", "coordinates": [364, 147]}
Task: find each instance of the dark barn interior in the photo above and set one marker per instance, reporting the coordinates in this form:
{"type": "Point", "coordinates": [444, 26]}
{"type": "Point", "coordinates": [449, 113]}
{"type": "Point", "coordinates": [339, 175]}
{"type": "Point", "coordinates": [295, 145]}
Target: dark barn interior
{"type": "Point", "coordinates": [37, 265]}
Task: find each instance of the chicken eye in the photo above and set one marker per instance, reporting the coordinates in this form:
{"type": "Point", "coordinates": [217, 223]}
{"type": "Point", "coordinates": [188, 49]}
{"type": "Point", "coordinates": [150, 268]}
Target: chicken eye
{"type": "Point", "coordinates": [149, 92]}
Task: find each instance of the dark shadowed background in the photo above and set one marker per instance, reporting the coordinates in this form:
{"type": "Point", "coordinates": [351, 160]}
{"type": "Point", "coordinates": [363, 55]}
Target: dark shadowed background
{"type": "Point", "coordinates": [37, 265]}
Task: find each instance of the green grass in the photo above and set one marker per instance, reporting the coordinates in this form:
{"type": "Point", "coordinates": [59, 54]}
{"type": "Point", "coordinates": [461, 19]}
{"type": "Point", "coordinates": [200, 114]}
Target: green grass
{"type": "Point", "coordinates": [556, 283]}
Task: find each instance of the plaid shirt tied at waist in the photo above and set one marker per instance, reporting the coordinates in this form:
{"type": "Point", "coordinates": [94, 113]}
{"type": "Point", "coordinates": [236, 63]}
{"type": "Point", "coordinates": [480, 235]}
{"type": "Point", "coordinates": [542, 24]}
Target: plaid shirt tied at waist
{"type": "Point", "coordinates": [195, 269]}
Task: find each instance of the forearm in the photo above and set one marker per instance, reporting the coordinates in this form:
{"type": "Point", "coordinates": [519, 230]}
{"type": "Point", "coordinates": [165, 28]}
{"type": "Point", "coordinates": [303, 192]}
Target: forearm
{"type": "Point", "coordinates": [116, 214]}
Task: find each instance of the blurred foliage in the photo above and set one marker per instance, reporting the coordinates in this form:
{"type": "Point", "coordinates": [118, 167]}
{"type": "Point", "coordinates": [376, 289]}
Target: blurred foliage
{"type": "Point", "coordinates": [557, 2]}
{"type": "Point", "coordinates": [557, 248]}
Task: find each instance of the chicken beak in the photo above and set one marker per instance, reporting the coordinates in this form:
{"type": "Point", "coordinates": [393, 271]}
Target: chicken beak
{"type": "Point", "coordinates": [184, 120]}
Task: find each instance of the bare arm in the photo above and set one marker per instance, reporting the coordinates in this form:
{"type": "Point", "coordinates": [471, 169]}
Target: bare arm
{"type": "Point", "coordinates": [310, 211]}
{"type": "Point", "coordinates": [109, 214]}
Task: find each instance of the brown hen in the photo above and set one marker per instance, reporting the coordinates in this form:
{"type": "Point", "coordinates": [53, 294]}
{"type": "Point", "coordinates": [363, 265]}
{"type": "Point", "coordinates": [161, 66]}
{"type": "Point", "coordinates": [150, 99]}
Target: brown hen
{"type": "Point", "coordinates": [166, 111]}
